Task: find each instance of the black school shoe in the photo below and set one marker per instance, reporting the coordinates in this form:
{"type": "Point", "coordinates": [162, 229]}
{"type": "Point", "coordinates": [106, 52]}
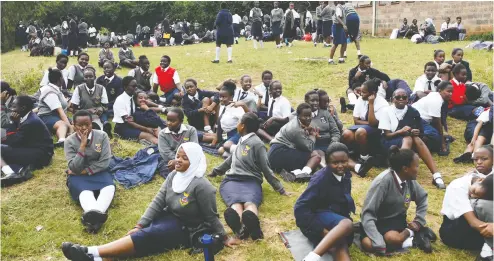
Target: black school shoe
{"type": "Point", "coordinates": [79, 253]}
{"type": "Point", "coordinates": [365, 166]}
{"type": "Point", "coordinates": [233, 221]}
{"type": "Point", "coordinates": [438, 185]}
{"type": "Point", "coordinates": [463, 158]}
{"type": "Point", "coordinates": [429, 233]}
{"type": "Point", "coordinates": [422, 241]}
{"type": "Point", "coordinates": [489, 258]}
{"type": "Point", "coordinates": [252, 224]}
{"type": "Point", "coordinates": [66, 246]}
{"type": "Point", "coordinates": [93, 220]}
{"type": "Point", "coordinates": [343, 105]}
{"type": "Point", "coordinates": [215, 61]}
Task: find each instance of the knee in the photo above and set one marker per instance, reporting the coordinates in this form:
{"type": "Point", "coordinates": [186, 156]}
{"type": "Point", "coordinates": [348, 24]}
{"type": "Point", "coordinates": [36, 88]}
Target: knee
{"type": "Point", "coordinates": [391, 237]}
{"type": "Point", "coordinates": [347, 225]}
{"type": "Point", "coordinates": [361, 134]}
{"type": "Point", "coordinates": [367, 244]}
{"type": "Point", "coordinates": [228, 145]}
{"type": "Point", "coordinates": [206, 101]}
{"type": "Point", "coordinates": [316, 157]}
{"type": "Point", "coordinates": [347, 136]}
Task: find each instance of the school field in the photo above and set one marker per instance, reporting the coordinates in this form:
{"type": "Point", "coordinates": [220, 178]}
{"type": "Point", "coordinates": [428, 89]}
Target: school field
{"type": "Point", "coordinates": [38, 215]}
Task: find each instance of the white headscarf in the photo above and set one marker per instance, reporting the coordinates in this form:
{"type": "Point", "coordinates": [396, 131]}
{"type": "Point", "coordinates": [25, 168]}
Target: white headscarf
{"type": "Point", "coordinates": [197, 167]}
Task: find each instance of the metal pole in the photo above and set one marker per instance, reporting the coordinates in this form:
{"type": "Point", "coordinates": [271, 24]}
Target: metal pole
{"type": "Point", "coordinates": [373, 18]}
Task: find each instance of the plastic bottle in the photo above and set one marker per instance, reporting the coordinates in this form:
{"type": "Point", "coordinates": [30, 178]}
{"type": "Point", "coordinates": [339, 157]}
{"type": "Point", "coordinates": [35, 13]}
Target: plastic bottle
{"type": "Point", "coordinates": [207, 241]}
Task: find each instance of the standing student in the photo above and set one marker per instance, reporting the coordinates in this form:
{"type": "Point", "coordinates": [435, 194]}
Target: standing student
{"type": "Point", "coordinates": [241, 188]}
{"type": "Point", "coordinates": [236, 19]}
{"type": "Point", "coordinates": [279, 111]}
{"type": "Point", "coordinates": [168, 80]}
{"type": "Point", "coordinates": [91, 97]}
{"type": "Point", "coordinates": [52, 107]}
{"type": "Point", "coordinates": [126, 56]}
{"type": "Point", "coordinates": [353, 25]}
{"type": "Point", "coordinates": [256, 18]}
{"type": "Point", "coordinates": [264, 91]}
{"type": "Point", "coordinates": [190, 213]}
{"type": "Point", "coordinates": [433, 119]}
{"type": "Point", "coordinates": [106, 55]}
{"type": "Point", "coordinates": [73, 37]}
{"type": "Point", "coordinates": [64, 33]}
{"type": "Point", "coordinates": [327, 13]}
{"type": "Point", "coordinates": [323, 210]}
{"type": "Point", "coordinates": [318, 23]}
{"type": "Point", "coordinates": [402, 126]}
{"type": "Point", "coordinates": [457, 55]}
{"type": "Point", "coordinates": [224, 32]}
{"type": "Point", "coordinates": [200, 107]}
{"type": "Point", "coordinates": [477, 133]}
{"type": "Point", "coordinates": [339, 30]}
{"type": "Point", "coordinates": [425, 84]}
{"type": "Point", "coordinates": [467, 208]}
{"type": "Point", "coordinates": [76, 75]}
{"type": "Point", "coordinates": [88, 154]}
{"type": "Point", "coordinates": [112, 83]}
{"type": "Point", "coordinates": [292, 149]}
{"type": "Point", "coordinates": [459, 106]}
{"type": "Point", "coordinates": [384, 215]}
{"type": "Point", "coordinates": [82, 37]}
{"type": "Point", "coordinates": [61, 64]}
{"type": "Point", "coordinates": [124, 109]}
{"type": "Point", "coordinates": [142, 75]}
{"type": "Point", "coordinates": [172, 137]}
{"type": "Point", "coordinates": [439, 56]}
{"type": "Point", "coordinates": [290, 28]}
{"type": "Point", "coordinates": [92, 35]}
{"type": "Point", "coordinates": [276, 23]}
{"type": "Point", "coordinates": [28, 143]}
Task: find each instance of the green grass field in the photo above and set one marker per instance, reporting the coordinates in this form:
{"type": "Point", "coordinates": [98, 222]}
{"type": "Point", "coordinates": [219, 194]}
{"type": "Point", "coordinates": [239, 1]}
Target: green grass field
{"type": "Point", "coordinates": [45, 201]}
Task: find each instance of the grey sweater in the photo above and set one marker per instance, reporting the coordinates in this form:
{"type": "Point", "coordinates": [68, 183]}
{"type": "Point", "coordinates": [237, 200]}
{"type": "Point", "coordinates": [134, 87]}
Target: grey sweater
{"type": "Point", "coordinates": [328, 129]}
{"type": "Point", "coordinates": [293, 136]}
{"type": "Point", "coordinates": [94, 159]}
{"type": "Point", "coordinates": [169, 142]}
{"type": "Point", "coordinates": [122, 55]}
{"type": "Point", "coordinates": [250, 159]}
{"type": "Point", "coordinates": [327, 13]}
{"type": "Point", "coordinates": [195, 207]}
{"type": "Point", "coordinates": [276, 15]}
{"type": "Point", "coordinates": [385, 200]}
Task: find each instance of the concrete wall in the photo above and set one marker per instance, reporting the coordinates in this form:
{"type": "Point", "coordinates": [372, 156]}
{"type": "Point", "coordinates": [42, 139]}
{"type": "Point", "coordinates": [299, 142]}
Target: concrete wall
{"type": "Point", "coordinates": [477, 16]}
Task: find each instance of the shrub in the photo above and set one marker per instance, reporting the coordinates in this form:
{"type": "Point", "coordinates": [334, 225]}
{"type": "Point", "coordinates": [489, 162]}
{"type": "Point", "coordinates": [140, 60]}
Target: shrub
{"type": "Point", "coordinates": [481, 37]}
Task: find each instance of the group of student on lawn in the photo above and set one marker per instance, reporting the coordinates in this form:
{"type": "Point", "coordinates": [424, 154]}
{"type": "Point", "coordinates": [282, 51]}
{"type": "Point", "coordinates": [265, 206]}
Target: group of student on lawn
{"type": "Point", "coordinates": [238, 121]}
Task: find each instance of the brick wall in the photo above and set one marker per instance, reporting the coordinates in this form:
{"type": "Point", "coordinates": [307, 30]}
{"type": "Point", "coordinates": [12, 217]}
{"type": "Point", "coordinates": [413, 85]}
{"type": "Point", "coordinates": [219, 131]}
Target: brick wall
{"type": "Point", "coordinates": [477, 17]}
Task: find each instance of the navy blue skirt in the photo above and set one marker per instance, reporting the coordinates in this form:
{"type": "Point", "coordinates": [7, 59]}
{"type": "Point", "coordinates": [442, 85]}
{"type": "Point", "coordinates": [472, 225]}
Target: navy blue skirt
{"type": "Point", "coordinates": [353, 25]}
{"type": "Point", "coordinates": [276, 27]}
{"type": "Point", "coordinates": [257, 30]}
{"type": "Point", "coordinates": [327, 28]}
{"type": "Point", "coordinates": [127, 132]}
{"type": "Point", "coordinates": [50, 120]}
{"type": "Point", "coordinates": [339, 35]}
{"type": "Point", "coordinates": [319, 27]}
{"type": "Point", "coordinates": [95, 182]}
{"type": "Point", "coordinates": [282, 157]}
{"type": "Point", "coordinates": [387, 143]}
{"type": "Point", "coordinates": [370, 130]}
{"type": "Point", "coordinates": [240, 189]}
{"type": "Point", "coordinates": [433, 141]}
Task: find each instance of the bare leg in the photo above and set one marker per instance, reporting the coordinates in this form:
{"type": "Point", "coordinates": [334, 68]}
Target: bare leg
{"type": "Point", "coordinates": [425, 154]}
{"type": "Point", "coordinates": [348, 137]}
{"type": "Point", "coordinates": [479, 142]}
{"type": "Point", "coordinates": [252, 207]}
{"type": "Point", "coordinates": [119, 248]}
{"type": "Point", "coordinates": [323, 158]}
{"type": "Point", "coordinates": [395, 238]}
{"type": "Point", "coordinates": [61, 129]}
{"type": "Point", "coordinates": [208, 137]}
{"type": "Point", "coordinates": [341, 252]}
{"type": "Point", "coordinates": [407, 143]}
{"type": "Point", "coordinates": [361, 139]}
{"type": "Point", "coordinates": [367, 245]}
{"type": "Point", "coordinates": [314, 160]}
{"type": "Point", "coordinates": [357, 45]}
{"type": "Point", "coordinates": [343, 50]}
{"type": "Point", "coordinates": [239, 208]}
{"type": "Point", "coordinates": [227, 145]}
{"type": "Point", "coordinates": [205, 103]}
{"type": "Point", "coordinates": [149, 137]}
{"type": "Point", "coordinates": [333, 50]}
{"type": "Point", "coordinates": [335, 235]}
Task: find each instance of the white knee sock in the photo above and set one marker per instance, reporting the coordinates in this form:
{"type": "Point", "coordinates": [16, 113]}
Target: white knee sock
{"type": "Point", "coordinates": [357, 167]}
{"type": "Point", "coordinates": [352, 98]}
{"type": "Point", "coordinates": [261, 43]}
{"type": "Point", "coordinates": [93, 251]}
{"type": "Point", "coordinates": [105, 197]}
{"type": "Point", "coordinates": [358, 52]}
{"type": "Point", "coordinates": [218, 53]}
{"type": "Point", "coordinates": [7, 170]}
{"type": "Point", "coordinates": [229, 51]}
{"type": "Point", "coordinates": [87, 200]}
{"type": "Point", "coordinates": [307, 170]}
{"type": "Point", "coordinates": [344, 54]}
{"type": "Point", "coordinates": [255, 44]}
{"type": "Point", "coordinates": [409, 241]}
{"type": "Point", "coordinates": [312, 257]}
{"type": "Point", "coordinates": [486, 251]}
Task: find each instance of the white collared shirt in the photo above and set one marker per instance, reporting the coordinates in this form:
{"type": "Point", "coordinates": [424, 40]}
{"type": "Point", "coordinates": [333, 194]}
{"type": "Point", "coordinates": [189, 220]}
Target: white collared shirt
{"type": "Point", "coordinates": [52, 99]}
{"type": "Point", "coordinates": [23, 119]}
{"type": "Point", "coordinates": [182, 129]}
{"type": "Point", "coordinates": [456, 200]}
{"type": "Point", "coordinates": [315, 113]}
{"type": "Point", "coordinates": [456, 81]}
{"type": "Point", "coordinates": [236, 19]}
{"type": "Point", "coordinates": [398, 179]}
{"type": "Point", "coordinates": [248, 95]}
{"type": "Point", "coordinates": [430, 106]}
{"type": "Point", "coordinates": [361, 106]}
{"type": "Point", "coordinates": [72, 71]}
{"type": "Point", "coordinates": [176, 78]}
{"type": "Point", "coordinates": [262, 90]}
{"type": "Point", "coordinates": [230, 117]}
{"type": "Point", "coordinates": [65, 75]}
{"type": "Point", "coordinates": [196, 96]}
{"type": "Point", "coordinates": [111, 78]}
{"type": "Point", "coordinates": [88, 137]}
{"type": "Point", "coordinates": [484, 117]}
{"type": "Point", "coordinates": [338, 177]}
{"type": "Point", "coordinates": [76, 97]}
{"type": "Point", "coordinates": [244, 138]}
{"type": "Point", "coordinates": [281, 107]}
{"type": "Point", "coordinates": [133, 72]}
{"type": "Point", "coordinates": [121, 107]}
{"type": "Point", "coordinates": [422, 84]}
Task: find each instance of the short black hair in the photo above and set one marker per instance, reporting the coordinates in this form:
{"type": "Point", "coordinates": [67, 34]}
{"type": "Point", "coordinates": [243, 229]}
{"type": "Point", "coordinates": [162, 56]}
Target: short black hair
{"type": "Point", "coordinates": [399, 158]}
{"type": "Point", "coordinates": [487, 184]}
{"type": "Point", "coordinates": [302, 107]}
{"type": "Point", "coordinates": [192, 81]}
{"type": "Point", "coordinates": [81, 113]}
{"type": "Point", "coordinates": [373, 85]}
{"type": "Point", "coordinates": [488, 147]}
{"type": "Point", "coordinates": [363, 58]}
{"type": "Point", "coordinates": [437, 52]}
{"type": "Point", "coordinates": [91, 68]}
{"type": "Point", "coordinates": [443, 85]}
{"type": "Point", "coordinates": [336, 147]}
{"type": "Point", "coordinates": [266, 72]}
{"type": "Point", "coordinates": [223, 5]}
{"type": "Point", "coordinates": [81, 54]}
{"type": "Point", "coordinates": [309, 93]}
{"type": "Point", "coordinates": [25, 101]}
{"type": "Point", "coordinates": [472, 93]}
{"type": "Point", "coordinates": [458, 67]}
{"type": "Point", "coordinates": [167, 57]}
{"type": "Point", "coordinates": [251, 122]}
{"type": "Point", "coordinates": [61, 56]}
{"type": "Point", "coordinates": [455, 50]}
{"type": "Point", "coordinates": [5, 86]}
{"type": "Point", "coordinates": [54, 75]}
{"type": "Point", "coordinates": [178, 111]}
{"type": "Point", "coordinates": [230, 87]}
{"type": "Point", "coordinates": [433, 64]}
{"type": "Point", "coordinates": [356, 84]}
{"type": "Point", "coordinates": [126, 80]}
{"type": "Point", "coordinates": [244, 76]}
{"type": "Point", "coordinates": [110, 63]}
{"type": "Point", "coordinates": [321, 93]}
{"type": "Point", "coordinates": [273, 82]}
{"type": "Point", "coordinates": [142, 58]}
{"type": "Point", "coordinates": [458, 17]}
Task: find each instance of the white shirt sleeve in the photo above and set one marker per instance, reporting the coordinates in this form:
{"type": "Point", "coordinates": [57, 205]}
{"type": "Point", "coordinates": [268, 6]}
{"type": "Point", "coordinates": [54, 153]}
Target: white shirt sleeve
{"type": "Point", "coordinates": [456, 201]}
{"type": "Point", "coordinates": [119, 110]}
{"type": "Point", "coordinates": [434, 107]}
{"type": "Point", "coordinates": [444, 26]}
{"type": "Point", "coordinates": [419, 85]}
{"type": "Point", "coordinates": [104, 97]}
{"type": "Point", "coordinates": [76, 98]}
{"type": "Point", "coordinates": [176, 78]}
{"type": "Point", "coordinates": [52, 101]}
{"type": "Point", "coordinates": [261, 13]}
{"type": "Point", "coordinates": [379, 107]}
{"type": "Point", "coordinates": [239, 112]}
{"type": "Point", "coordinates": [132, 73]}
{"type": "Point", "coordinates": [71, 73]}
{"type": "Point", "coordinates": [155, 78]}
{"type": "Point", "coordinates": [250, 15]}
{"type": "Point", "coordinates": [484, 117]}
{"type": "Point", "coordinates": [339, 12]}
{"type": "Point", "coordinates": [285, 109]}
{"type": "Point", "coordinates": [385, 121]}
{"type": "Point", "coordinates": [358, 110]}
{"type": "Point", "coordinates": [44, 81]}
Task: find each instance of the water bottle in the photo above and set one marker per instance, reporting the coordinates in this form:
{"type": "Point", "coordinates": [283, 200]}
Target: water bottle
{"type": "Point", "coordinates": [207, 241]}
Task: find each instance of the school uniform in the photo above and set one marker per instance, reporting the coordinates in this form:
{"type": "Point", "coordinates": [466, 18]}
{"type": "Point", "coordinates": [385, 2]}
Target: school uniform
{"type": "Point", "coordinates": [278, 108]}
{"type": "Point", "coordinates": [486, 94]}
{"type": "Point", "coordinates": [94, 160]}
{"type": "Point", "coordinates": [243, 172]}
{"type": "Point", "coordinates": [106, 56]}
{"type": "Point", "coordinates": [291, 147]}
{"type": "Point", "coordinates": [326, 201]}
{"type": "Point", "coordinates": [65, 75]}
{"type": "Point", "coordinates": [51, 98]}
{"type": "Point", "coordinates": [458, 107]}
{"type": "Point", "coordinates": [264, 90]}
{"type": "Point", "coordinates": [394, 85]}
{"type": "Point", "coordinates": [175, 220]}
{"type": "Point", "coordinates": [386, 205]}
{"type": "Point", "coordinates": [328, 130]}
{"type": "Point", "coordinates": [167, 79]}
{"type": "Point", "coordinates": [455, 231]}
{"type": "Point", "coordinates": [125, 106]}
{"type": "Point", "coordinates": [361, 111]}
{"type": "Point", "coordinates": [29, 142]}
{"type": "Point", "coordinates": [236, 19]}
{"type": "Point", "coordinates": [256, 18]}
{"type": "Point", "coordinates": [485, 131]}
{"type": "Point", "coordinates": [113, 87]}
{"type": "Point", "coordinates": [224, 27]}
{"type": "Point", "coordinates": [467, 66]}
{"type": "Point", "coordinates": [423, 84]}
{"type": "Point", "coordinates": [430, 107]}
{"type": "Point", "coordinates": [125, 55]}
{"type": "Point", "coordinates": [339, 123]}
{"type": "Point", "coordinates": [83, 35]}
{"type": "Point", "coordinates": [143, 82]}
{"type": "Point", "coordinates": [327, 20]}
{"type": "Point", "coordinates": [76, 74]}
{"type": "Point", "coordinates": [191, 105]}
{"type": "Point", "coordinates": [227, 123]}
{"type": "Point", "coordinates": [169, 142]}
{"type": "Point", "coordinates": [339, 35]}
{"type": "Point", "coordinates": [73, 32]}
{"type": "Point", "coordinates": [368, 74]}
{"type": "Point", "coordinates": [352, 21]}
{"type": "Point", "coordinates": [394, 119]}
{"type": "Point", "coordinates": [248, 97]}
{"type": "Point", "coordinates": [276, 18]}
{"type": "Point", "coordinates": [94, 98]}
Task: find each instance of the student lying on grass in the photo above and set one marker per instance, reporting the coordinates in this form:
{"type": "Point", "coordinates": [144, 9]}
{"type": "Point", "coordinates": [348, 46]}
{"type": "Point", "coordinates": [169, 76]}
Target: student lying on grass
{"type": "Point", "coordinates": [183, 211]}
{"type": "Point", "coordinates": [477, 133]}
{"type": "Point", "coordinates": [88, 154]}
{"type": "Point", "coordinates": [384, 226]}
{"type": "Point", "coordinates": [241, 188]}
{"type": "Point", "coordinates": [467, 208]}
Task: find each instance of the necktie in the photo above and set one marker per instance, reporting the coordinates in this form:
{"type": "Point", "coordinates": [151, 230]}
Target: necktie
{"type": "Point", "coordinates": [132, 106]}
{"type": "Point", "coordinates": [429, 83]}
{"type": "Point", "coordinates": [90, 92]}
{"type": "Point", "coordinates": [220, 130]}
{"type": "Point", "coordinates": [403, 185]}
{"type": "Point", "coordinates": [107, 81]}
{"type": "Point", "coordinates": [367, 114]}
{"type": "Point", "coordinates": [266, 97]}
{"type": "Point", "coordinates": [270, 112]}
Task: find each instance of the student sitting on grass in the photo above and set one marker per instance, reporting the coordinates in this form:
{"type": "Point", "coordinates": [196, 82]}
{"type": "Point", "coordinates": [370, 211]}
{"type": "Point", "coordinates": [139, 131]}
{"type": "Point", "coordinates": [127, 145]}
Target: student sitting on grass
{"type": "Point", "coordinates": [477, 133]}
{"type": "Point", "coordinates": [457, 55]}
{"type": "Point", "coordinates": [112, 84]}
{"type": "Point", "coordinates": [92, 97]}
{"type": "Point", "coordinates": [439, 56]}
{"type": "Point", "coordinates": [241, 188]}
{"type": "Point", "coordinates": [325, 104]}
{"type": "Point", "coordinates": [124, 110]}
{"type": "Point", "coordinates": [88, 154]}
{"type": "Point", "coordinates": [168, 80]}
{"type": "Point", "coordinates": [126, 56]}
{"type": "Point", "coordinates": [425, 83]}
{"type": "Point", "coordinates": [278, 113]}
{"type": "Point", "coordinates": [230, 114]}
{"type": "Point", "coordinates": [52, 107]}
{"type": "Point", "coordinates": [61, 65]}
{"type": "Point", "coordinates": [146, 113]}
{"type": "Point", "coordinates": [246, 95]}
{"type": "Point", "coordinates": [467, 208]}
{"type": "Point", "coordinates": [106, 55]}
{"type": "Point", "coordinates": [170, 138]}
{"type": "Point", "coordinates": [48, 45]}
{"type": "Point", "coordinates": [200, 107]}
{"type": "Point", "coordinates": [76, 75]}
{"type": "Point", "coordinates": [263, 90]}
{"type": "Point", "coordinates": [292, 149]}
{"type": "Point", "coordinates": [322, 212]}
{"type": "Point", "coordinates": [459, 106]}
{"type": "Point", "coordinates": [384, 226]}
{"type": "Point", "coordinates": [402, 127]}
{"type": "Point", "coordinates": [142, 75]}
{"type": "Point", "coordinates": [28, 143]}
{"type": "Point", "coordinates": [182, 212]}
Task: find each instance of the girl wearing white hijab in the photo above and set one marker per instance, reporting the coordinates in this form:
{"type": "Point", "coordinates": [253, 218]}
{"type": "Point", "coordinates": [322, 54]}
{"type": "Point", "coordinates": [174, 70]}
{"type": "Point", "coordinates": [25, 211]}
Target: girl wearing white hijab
{"type": "Point", "coordinates": [183, 210]}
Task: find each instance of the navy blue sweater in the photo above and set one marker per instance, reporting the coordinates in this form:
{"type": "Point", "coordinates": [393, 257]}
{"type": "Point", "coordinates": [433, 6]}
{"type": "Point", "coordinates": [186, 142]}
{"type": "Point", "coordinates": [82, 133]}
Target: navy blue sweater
{"type": "Point", "coordinates": [113, 89]}
{"type": "Point", "coordinates": [324, 193]}
{"type": "Point", "coordinates": [191, 107]}
{"type": "Point", "coordinates": [224, 23]}
{"type": "Point", "coordinates": [32, 133]}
